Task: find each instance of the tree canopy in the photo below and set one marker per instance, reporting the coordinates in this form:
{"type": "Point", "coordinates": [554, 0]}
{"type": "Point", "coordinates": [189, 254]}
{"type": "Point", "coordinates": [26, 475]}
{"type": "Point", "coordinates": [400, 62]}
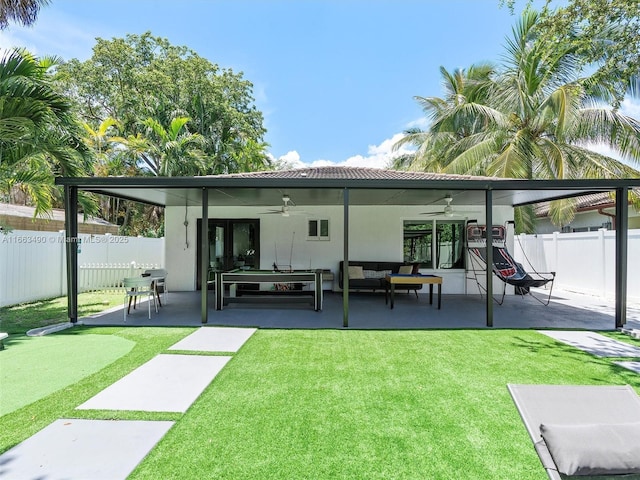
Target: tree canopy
{"type": "Point", "coordinates": [603, 34]}
{"type": "Point", "coordinates": [142, 77]}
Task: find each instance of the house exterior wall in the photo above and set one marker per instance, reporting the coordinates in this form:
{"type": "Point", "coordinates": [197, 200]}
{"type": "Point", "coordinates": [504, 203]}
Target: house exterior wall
{"type": "Point", "coordinates": [588, 221]}
{"type": "Point", "coordinates": [375, 233]}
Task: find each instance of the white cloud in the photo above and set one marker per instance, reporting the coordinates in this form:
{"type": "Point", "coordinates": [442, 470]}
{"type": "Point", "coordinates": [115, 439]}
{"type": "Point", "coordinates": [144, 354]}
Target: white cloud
{"type": "Point", "coordinates": [54, 34]}
{"type": "Point", "coordinates": [378, 156]}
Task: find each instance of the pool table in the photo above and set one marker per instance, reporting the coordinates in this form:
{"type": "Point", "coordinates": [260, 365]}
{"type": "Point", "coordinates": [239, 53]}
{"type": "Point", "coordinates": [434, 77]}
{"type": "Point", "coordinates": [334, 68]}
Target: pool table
{"type": "Point", "coordinates": [257, 277]}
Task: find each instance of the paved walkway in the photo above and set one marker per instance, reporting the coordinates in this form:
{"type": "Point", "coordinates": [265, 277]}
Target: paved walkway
{"type": "Point", "coordinates": [166, 383]}
{"type": "Point", "coordinates": [594, 343]}
{"type": "Point", "coordinates": [76, 449]}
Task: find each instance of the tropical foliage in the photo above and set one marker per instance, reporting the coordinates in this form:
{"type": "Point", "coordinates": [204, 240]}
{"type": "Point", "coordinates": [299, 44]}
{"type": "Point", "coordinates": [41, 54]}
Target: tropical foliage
{"type": "Point", "coordinates": [606, 37]}
{"type": "Point", "coordinates": [151, 108]}
{"type": "Point", "coordinates": [168, 97]}
{"type": "Point", "coordinates": [531, 117]}
{"type": "Point", "coordinates": [21, 11]}
{"type": "Point", "coordinates": [39, 137]}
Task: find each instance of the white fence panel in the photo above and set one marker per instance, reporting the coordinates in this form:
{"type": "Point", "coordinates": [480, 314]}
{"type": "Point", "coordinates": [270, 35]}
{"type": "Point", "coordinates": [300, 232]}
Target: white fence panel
{"type": "Point", "coordinates": [584, 261]}
{"type": "Point", "coordinates": [109, 276]}
{"type": "Point", "coordinates": [33, 264]}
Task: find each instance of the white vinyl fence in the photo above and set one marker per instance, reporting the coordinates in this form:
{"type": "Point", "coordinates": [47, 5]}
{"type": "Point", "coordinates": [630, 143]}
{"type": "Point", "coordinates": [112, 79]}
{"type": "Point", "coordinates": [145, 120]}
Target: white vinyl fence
{"type": "Point", "coordinates": [33, 264]}
{"type": "Point", "coordinates": [584, 262]}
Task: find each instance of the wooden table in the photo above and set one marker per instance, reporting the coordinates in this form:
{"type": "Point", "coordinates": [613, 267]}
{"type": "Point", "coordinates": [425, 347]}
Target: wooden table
{"type": "Point", "coordinates": [394, 279]}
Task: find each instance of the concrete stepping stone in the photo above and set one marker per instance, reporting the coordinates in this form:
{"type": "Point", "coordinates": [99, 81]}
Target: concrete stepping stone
{"type": "Point", "coordinates": [166, 383]}
{"type": "Point", "coordinates": [633, 366]}
{"type": "Point", "coordinates": [215, 339]}
{"type": "Point", "coordinates": [594, 343]}
{"type": "Point", "coordinates": [73, 449]}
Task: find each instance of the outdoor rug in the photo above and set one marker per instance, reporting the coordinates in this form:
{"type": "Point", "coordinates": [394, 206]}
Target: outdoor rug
{"type": "Point", "coordinates": [633, 366]}
{"type": "Point", "coordinates": [215, 339]}
{"type": "Point", "coordinates": [73, 449]}
{"type": "Point", "coordinates": [166, 383]}
{"type": "Point", "coordinates": [594, 343]}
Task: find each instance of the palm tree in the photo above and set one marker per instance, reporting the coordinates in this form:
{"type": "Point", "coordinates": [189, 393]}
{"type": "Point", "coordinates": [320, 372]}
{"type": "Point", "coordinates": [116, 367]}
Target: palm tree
{"type": "Point", "coordinates": [39, 138]}
{"type": "Point", "coordinates": [534, 119]}
{"type": "Point", "coordinates": [110, 158]}
{"type": "Point", "coordinates": [21, 11]}
{"type": "Point", "coordinates": [171, 151]}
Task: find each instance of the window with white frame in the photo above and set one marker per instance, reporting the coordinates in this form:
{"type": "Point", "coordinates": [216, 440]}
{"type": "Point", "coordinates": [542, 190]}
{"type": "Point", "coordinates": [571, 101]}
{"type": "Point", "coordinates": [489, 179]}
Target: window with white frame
{"type": "Point", "coordinates": [318, 229]}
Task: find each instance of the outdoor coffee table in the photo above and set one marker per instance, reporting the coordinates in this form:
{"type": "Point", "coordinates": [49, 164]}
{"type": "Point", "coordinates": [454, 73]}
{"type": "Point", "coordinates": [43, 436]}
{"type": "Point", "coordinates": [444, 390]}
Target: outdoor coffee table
{"type": "Point", "coordinates": [394, 279]}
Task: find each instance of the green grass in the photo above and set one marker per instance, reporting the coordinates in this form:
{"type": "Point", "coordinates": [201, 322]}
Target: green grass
{"type": "Point", "coordinates": [371, 405]}
{"type": "Point", "coordinates": [17, 319]}
{"type": "Point", "coordinates": [34, 367]}
{"type": "Point", "coordinates": [347, 404]}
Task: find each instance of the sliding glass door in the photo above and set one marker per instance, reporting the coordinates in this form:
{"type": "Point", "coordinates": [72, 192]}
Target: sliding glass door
{"type": "Point", "coordinates": [233, 243]}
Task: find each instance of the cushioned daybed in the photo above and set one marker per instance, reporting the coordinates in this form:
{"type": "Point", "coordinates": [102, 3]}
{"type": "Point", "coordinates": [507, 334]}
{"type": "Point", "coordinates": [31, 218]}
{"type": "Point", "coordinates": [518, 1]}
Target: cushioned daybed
{"type": "Point", "coordinates": [582, 431]}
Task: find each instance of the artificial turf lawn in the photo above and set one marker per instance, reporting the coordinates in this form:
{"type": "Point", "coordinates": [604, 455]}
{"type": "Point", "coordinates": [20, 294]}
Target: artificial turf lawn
{"type": "Point", "coordinates": [329, 404]}
{"type": "Point", "coordinates": [325, 404]}
{"type": "Point", "coordinates": [26, 421]}
{"type": "Point", "coordinates": [34, 367]}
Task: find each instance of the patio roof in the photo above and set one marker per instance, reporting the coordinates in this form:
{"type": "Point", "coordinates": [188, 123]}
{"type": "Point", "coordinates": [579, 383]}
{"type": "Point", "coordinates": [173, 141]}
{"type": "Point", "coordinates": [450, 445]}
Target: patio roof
{"type": "Point", "coordinates": [325, 186]}
{"type": "Point", "coordinates": [345, 186]}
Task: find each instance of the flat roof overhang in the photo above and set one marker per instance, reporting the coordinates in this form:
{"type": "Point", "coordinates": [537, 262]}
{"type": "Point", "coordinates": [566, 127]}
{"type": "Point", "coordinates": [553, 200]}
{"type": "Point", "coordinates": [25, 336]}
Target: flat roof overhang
{"type": "Point", "coordinates": [243, 191]}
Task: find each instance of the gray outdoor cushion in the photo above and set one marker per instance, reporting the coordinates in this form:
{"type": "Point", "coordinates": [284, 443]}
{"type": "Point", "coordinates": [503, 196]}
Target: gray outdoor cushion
{"type": "Point", "coordinates": [594, 449]}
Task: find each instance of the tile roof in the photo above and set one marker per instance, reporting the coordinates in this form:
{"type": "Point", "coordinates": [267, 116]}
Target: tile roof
{"type": "Point", "coordinates": [584, 202]}
{"type": "Point", "coordinates": [353, 173]}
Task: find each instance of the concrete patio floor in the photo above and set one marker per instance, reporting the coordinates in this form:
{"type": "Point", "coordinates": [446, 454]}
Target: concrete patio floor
{"type": "Point", "coordinates": [368, 311]}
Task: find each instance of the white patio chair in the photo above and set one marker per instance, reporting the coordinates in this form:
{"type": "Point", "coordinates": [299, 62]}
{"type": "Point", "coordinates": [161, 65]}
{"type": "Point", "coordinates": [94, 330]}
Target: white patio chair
{"type": "Point", "coordinates": [135, 287]}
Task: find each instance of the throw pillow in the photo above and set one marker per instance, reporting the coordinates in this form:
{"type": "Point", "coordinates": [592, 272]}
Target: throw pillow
{"type": "Point", "coordinates": [594, 449]}
{"type": "Point", "coordinates": [356, 272]}
{"type": "Point", "coordinates": [405, 269]}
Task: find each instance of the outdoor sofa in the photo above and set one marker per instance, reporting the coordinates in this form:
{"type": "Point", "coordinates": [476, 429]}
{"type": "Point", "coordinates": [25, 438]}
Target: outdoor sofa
{"type": "Point", "coordinates": [370, 275]}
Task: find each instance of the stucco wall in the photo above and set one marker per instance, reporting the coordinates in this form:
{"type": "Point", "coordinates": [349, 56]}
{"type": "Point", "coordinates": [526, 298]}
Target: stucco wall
{"type": "Point", "coordinates": [375, 233]}
{"type": "Point", "coordinates": [591, 219]}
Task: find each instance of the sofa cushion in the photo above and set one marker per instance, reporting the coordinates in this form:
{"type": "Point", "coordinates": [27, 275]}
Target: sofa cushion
{"type": "Point", "coordinates": [375, 273]}
{"type": "Point", "coordinates": [594, 449]}
{"type": "Point", "coordinates": [356, 272]}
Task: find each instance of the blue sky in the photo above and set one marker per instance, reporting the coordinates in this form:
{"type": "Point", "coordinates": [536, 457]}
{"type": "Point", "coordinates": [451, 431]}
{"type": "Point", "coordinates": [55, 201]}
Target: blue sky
{"type": "Point", "coordinates": [335, 80]}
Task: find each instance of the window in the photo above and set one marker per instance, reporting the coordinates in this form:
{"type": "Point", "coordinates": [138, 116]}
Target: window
{"type": "Point", "coordinates": [434, 244]}
{"type": "Point", "coordinates": [318, 229]}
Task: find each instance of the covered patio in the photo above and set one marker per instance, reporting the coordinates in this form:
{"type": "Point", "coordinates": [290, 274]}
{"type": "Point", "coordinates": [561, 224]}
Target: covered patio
{"type": "Point", "coordinates": [368, 311]}
{"type": "Point", "coordinates": [347, 188]}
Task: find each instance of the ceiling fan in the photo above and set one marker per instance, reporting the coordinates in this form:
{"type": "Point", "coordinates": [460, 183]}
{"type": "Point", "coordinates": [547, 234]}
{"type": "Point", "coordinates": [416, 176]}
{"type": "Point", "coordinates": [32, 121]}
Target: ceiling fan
{"type": "Point", "coordinates": [447, 211]}
{"type": "Point", "coordinates": [285, 209]}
